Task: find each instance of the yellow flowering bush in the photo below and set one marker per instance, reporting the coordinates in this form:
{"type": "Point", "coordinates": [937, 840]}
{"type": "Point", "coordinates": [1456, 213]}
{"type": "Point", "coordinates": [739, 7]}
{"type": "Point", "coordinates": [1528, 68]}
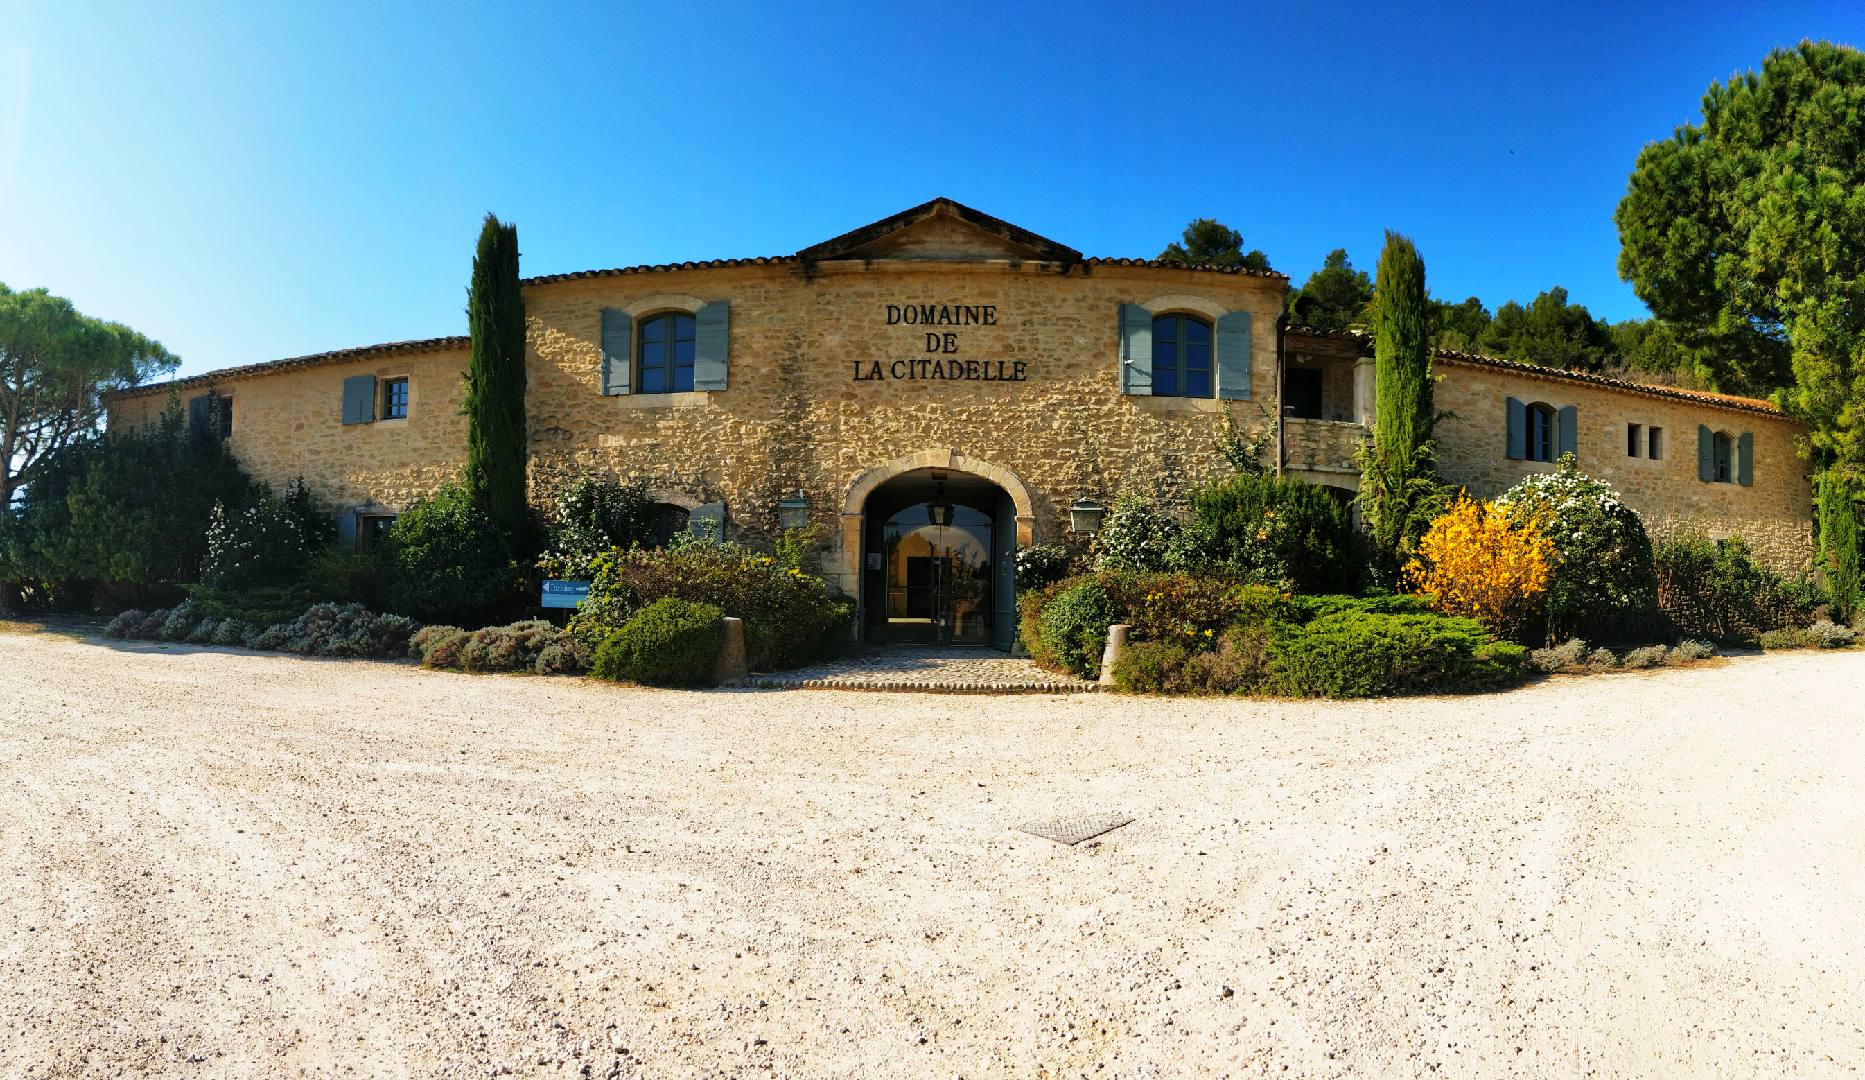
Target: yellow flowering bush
{"type": "Point", "coordinates": [1477, 562]}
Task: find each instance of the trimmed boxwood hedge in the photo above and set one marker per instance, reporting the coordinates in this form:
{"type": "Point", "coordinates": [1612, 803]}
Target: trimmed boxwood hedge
{"type": "Point", "coordinates": [670, 642]}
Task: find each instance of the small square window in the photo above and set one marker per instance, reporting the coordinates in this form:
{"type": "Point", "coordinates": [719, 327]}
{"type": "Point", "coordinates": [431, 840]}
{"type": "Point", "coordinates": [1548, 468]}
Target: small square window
{"type": "Point", "coordinates": [395, 399]}
{"type": "Point", "coordinates": [1655, 443]}
{"type": "Point", "coordinates": [372, 529]}
{"type": "Point", "coordinates": [1634, 439]}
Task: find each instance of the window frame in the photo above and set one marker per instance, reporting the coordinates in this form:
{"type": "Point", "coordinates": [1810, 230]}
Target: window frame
{"type": "Point", "coordinates": [669, 367]}
{"type": "Point", "coordinates": [384, 385]}
{"type": "Point", "coordinates": [1548, 418]}
{"type": "Point", "coordinates": [223, 416]}
{"type": "Point", "coordinates": [1722, 457]}
{"type": "Point", "coordinates": [1634, 440]}
{"type": "Point", "coordinates": [367, 525]}
{"type": "Point", "coordinates": [1179, 342]}
{"type": "Point", "coordinates": [1654, 443]}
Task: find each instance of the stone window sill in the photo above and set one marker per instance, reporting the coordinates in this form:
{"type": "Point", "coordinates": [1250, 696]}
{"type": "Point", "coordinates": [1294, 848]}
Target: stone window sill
{"type": "Point", "coordinates": [1177, 404]}
{"type": "Point", "coordinates": [684, 400]}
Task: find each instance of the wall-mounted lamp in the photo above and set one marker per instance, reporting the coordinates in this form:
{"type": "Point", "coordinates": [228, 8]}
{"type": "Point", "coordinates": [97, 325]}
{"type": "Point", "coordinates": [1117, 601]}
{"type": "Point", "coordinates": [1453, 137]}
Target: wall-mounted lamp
{"type": "Point", "coordinates": [940, 512]}
{"type": "Point", "coordinates": [1084, 515]}
{"type": "Point", "coordinates": [793, 511]}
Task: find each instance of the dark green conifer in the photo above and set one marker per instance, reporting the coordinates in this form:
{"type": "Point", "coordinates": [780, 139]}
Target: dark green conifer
{"type": "Point", "coordinates": [496, 453]}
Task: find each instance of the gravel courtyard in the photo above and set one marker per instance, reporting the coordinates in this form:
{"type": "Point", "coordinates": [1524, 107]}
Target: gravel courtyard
{"type": "Point", "coordinates": [226, 864]}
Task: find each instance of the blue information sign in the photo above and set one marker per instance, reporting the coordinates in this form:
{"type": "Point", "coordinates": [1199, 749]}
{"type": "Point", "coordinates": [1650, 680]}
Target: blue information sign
{"type": "Point", "coordinates": [564, 594]}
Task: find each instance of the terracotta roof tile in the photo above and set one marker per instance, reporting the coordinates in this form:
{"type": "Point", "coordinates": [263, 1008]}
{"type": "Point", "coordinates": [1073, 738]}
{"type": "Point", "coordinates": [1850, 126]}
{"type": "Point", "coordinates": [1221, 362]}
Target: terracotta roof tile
{"type": "Point", "coordinates": [274, 367]}
{"type": "Point", "coordinates": [1702, 397]}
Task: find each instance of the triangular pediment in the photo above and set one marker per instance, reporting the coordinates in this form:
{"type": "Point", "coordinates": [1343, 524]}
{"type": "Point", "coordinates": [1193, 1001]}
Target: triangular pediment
{"type": "Point", "coordinates": [941, 231]}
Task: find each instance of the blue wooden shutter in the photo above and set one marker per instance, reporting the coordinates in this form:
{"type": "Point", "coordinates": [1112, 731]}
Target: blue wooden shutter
{"type": "Point", "coordinates": [1233, 356]}
{"type": "Point", "coordinates": [1706, 455]}
{"type": "Point", "coordinates": [1136, 350]}
{"type": "Point", "coordinates": [359, 399]}
{"type": "Point", "coordinates": [710, 345]}
{"type": "Point", "coordinates": [201, 413]}
{"type": "Point", "coordinates": [1568, 431]}
{"type": "Point", "coordinates": [1517, 429]}
{"type": "Point", "coordinates": [708, 520]}
{"type": "Point", "coordinates": [618, 342]}
{"type": "Point", "coordinates": [1745, 459]}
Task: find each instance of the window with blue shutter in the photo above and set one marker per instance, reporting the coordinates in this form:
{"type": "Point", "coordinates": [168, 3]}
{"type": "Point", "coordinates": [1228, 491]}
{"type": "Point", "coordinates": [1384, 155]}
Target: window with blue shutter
{"type": "Point", "coordinates": [618, 338]}
{"type": "Point", "coordinates": [1745, 459]}
{"type": "Point", "coordinates": [1706, 454]}
{"type": "Point", "coordinates": [1136, 349]}
{"type": "Point", "coordinates": [1182, 357]}
{"type": "Point", "coordinates": [1517, 423]}
{"type": "Point", "coordinates": [359, 399]}
{"type": "Point", "coordinates": [1569, 431]}
{"type": "Point", "coordinates": [665, 351]}
{"type": "Point", "coordinates": [1233, 356]}
{"type": "Point", "coordinates": [713, 339]}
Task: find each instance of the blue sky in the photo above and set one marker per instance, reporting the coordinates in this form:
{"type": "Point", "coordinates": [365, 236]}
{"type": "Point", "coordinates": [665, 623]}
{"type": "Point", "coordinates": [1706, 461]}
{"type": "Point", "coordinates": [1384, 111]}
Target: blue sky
{"type": "Point", "coordinates": [250, 185]}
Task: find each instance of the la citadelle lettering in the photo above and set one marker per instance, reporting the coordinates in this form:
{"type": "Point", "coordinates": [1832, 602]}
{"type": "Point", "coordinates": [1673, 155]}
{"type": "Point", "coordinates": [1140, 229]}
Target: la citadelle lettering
{"type": "Point", "coordinates": [926, 370]}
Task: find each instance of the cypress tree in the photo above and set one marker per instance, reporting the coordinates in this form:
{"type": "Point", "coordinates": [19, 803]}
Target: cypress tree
{"type": "Point", "coordinates": [1839, 544]}
{"type": "Point", "coordinates": [1398, 486]}
{"type": "Point", "coordinates": [496, 453]}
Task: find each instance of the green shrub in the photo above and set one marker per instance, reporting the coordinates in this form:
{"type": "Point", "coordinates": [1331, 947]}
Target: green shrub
{"type": "Point", "coordinates": [446, 562]}
{"type": "Point", "coordinates": [670, 642]}
{"type": "Point", "coordinates": [341, 630]}
{"type": "Point", "coordinates": [1692, 650]}
{"type": "Point", "coordinates": [1073, 627]}
{"type": "Point", "coordinates": [1315, 607]}
{"type": "Point", "coordinates": [1649, 656]}
{"type": "Point", "coordinates": [1824, 634]}
{"type": "Point", "coordinates": [1193, 610]}
{"type": "Point", "coordinates": [1238, 664]}
{"type": "Point", "coordinates": [791, 618]}
{"type": "Point", "coordinates": [1601, 659]}
{"type": "Point", "coordinates": [1362, 654]}
{"type": "Point", "coordinates": [1276, 531]}
{"type": "Point", "coordinates": [203, 632]}
{"type": "Point", "coordinates": [231, 632]}
{"type": "Point", "coordinates": [339, 575]}
{"type": "Point", "coordinates": [1040, 565]}
{"type": "Point", "coordinates": [559, 659]}
{"type": "Point", "coordinates": [125, 623]}
{"type": "Point", "coordinates": [428, 639]}
{"type": "Point", "coordinates": [1604, 584]}
{"type": "Point", "coordinates": [180, 622]}
{"type": "Point", "coordinates": [261, 604]}
{"type": "Point", "coordinates": [1564, 657]}
{"type": "Point", "coordinates": [1136, 535]}
{"type": "Point", "coordinates": [507, 648]}
{"type": "Point", "coordinates": [1717, 590]}
{"type": "Point", "coordinates": [1839, 543]}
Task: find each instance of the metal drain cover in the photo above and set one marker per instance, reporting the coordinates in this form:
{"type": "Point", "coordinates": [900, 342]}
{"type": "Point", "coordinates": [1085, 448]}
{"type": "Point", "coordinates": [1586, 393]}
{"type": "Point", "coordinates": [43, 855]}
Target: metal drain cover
{"type": "Point", "coordinates": [1072, 829]}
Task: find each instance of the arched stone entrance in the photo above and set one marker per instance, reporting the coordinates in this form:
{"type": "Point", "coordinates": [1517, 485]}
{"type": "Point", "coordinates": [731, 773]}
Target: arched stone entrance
{"type": "Point", "coordinates": [945, 576]}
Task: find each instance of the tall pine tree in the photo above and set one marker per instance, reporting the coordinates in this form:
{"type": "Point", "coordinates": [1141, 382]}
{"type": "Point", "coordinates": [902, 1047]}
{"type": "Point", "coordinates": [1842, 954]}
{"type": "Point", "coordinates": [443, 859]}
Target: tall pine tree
{"type": "Point", "coordinates": [495, 385]}
{"type": "Point", "coordinates": [1398, 483]}
{"type": "Point", "coordinates": [1839, 544]}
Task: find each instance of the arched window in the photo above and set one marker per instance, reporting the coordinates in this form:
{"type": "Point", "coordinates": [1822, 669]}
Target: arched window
{"type": "Point", "coordinates": [664, 363]}
{"type": "Point", "coordinates": [1721, 454]}
{"type": "Point", "coordinates": [1182, 357]}
{"type": "Point", "coordinates": [1540, 417]}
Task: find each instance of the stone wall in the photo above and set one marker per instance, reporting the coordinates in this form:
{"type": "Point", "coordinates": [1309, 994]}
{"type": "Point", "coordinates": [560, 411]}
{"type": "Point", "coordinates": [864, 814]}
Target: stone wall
{"type": "Point", "coordinates": [1774, 514]}
{"type": "Point", "coordinates": [290, 424]}
{"type": "Point", "coordinates": [794, 415]}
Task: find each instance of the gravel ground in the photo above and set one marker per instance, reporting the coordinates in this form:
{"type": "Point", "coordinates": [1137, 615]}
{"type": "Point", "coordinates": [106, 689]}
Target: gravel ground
{"type": "Point", "coordinates": [228, 864]}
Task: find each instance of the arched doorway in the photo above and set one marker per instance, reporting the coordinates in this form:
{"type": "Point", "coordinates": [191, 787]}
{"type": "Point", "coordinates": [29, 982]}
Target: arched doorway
{"type": "Point", "coordinates": [938, 560]}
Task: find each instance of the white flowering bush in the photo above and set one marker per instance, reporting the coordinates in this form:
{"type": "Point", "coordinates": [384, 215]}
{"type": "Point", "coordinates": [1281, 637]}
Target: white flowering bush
{"type": "Point", "coordinates": [1137, 535]}
{"type": "Point", "coordinates": [1604, 584]}
{"type": "Point", "coordinates": [262, 543]}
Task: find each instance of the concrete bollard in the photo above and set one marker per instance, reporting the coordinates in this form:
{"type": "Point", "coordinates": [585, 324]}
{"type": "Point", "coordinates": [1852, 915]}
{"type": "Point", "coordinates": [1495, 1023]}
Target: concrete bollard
{"type": "Point", "coordinates": [730, 668]}
{"type": "Point", "coordinates": [1116, 645]}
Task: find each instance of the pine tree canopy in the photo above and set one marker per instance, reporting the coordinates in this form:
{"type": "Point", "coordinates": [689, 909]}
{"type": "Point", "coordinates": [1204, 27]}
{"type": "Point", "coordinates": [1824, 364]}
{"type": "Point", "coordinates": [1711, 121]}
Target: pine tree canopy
{"type": "Point", "coordinates": [1207, 242]}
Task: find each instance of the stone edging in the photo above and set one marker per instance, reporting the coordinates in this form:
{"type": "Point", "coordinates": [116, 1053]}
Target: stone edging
{"type": "Point", "coordinates": [1030, 686]}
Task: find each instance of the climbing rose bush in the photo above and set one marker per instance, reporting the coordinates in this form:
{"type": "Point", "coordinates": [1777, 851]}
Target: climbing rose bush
{"type": "Point", "coordinates": [1477, 562]}
{"type": "Point", "coordinates": [1603, 583]}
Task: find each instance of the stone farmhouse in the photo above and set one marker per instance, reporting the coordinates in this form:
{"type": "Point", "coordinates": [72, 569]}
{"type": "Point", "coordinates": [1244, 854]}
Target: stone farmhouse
{"type": "Point", "coordinates": [937, 388]}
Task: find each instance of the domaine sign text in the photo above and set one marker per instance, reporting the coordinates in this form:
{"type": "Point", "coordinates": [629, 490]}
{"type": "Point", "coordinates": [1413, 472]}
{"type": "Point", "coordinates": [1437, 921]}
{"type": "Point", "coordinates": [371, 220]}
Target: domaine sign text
{"type": "Point", "coordinates": [937, 361]}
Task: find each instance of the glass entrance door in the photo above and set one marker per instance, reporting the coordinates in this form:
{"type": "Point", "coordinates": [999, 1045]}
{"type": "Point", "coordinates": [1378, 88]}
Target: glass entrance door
{"type": "Point", "coordinates": [939, 575]}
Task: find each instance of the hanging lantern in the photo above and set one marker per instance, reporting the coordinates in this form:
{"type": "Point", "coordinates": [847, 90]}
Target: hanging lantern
{"type": "Point", "coordinates": [1084, 516]}
{"type": "Point", "coordinates": [941, 513]}
{"type": "Point", "coordinates": [793, 511]}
